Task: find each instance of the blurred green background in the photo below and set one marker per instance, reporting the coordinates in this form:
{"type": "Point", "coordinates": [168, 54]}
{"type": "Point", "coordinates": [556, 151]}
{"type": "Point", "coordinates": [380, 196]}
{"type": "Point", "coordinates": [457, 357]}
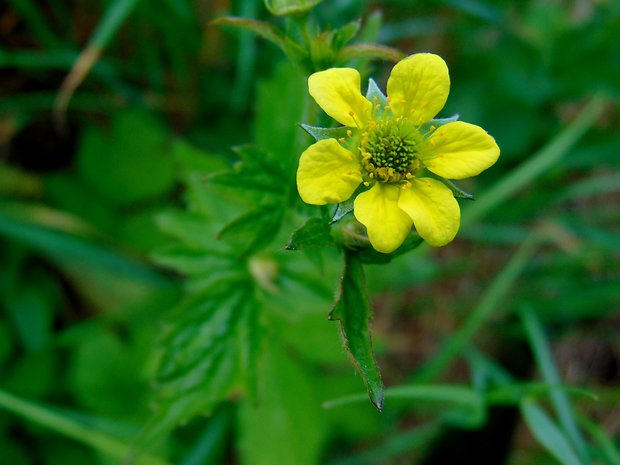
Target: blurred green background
{"type": "Point", "coordinates": [109, 218]}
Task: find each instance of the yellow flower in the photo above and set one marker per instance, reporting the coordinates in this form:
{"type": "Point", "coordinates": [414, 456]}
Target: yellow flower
{"type": "Point", "coordinates": [391, 144]}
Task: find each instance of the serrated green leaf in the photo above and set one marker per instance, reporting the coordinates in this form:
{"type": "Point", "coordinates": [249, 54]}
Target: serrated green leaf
{"type": "Point", "coordinates": [191, 229]}
{"type": "Point", "coordinates": [548, 434]}
{"type": "Point", "coordinates": [258, 170]}
{"type": "Point", "coordinates": [199, 360]}
{"type": "Point", "coordinates": [325, 133]}
{"type": "Point", "coordinates": [260, 225]}
{"type": "Point", "coordinates": [249, 181]}
{"type": "Point", "coordinates": [313, 233]}
{"type": "Point", "coordinates": [189, 260]}
{"type": "Point", "coordinates": [256, 158]}
{"type": "Point", "coordinates": [353, 311]}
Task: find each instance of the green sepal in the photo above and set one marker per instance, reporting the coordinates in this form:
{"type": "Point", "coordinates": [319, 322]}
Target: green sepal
{"type": "Point", "coordinates": [437, 123]}
{"type": "Point", "coordinates": [352, 309]}
{"type": "Point", "coordinates": [374, 92]}
{"type": "Point", "coordinates": [325, 133]}
{"type": "Point", "coordinates": [313, 233]}
{"type": "Point", "coordinates": [371, 256]}
{"type": "Point", "coordinates": [369, 51]}
{"type": "Point", "coordinates": [343, 209]}
{"type": "Point", "coordinates": [290, 7]}
{"type": "Point", "coordinates": [456, 190]}
{"type": "Point", "coordinates": [351, 235]}
{"type": "Point", "coordinates": [377, 97]}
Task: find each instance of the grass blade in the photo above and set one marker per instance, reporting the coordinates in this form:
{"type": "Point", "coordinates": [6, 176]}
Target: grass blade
{"type": "Point", "coordinates": [607, 448]}
{"type": "Point", "coordinates": [73, 429]}
{"type": "Point", "coordinates": [114, 18]}
{"type": "Point", "coordinates": [549, 371]}
{"type": "Point", "coordinates": [37, 24]}
{"type": "Point", "coordinates": [548, 434]}
{"type": "Point", "coordinates": [540, 162]}
{"type": "Point", "coordinates": [491, 300]}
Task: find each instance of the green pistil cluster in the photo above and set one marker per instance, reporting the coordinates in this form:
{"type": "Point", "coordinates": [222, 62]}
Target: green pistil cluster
{"type": "Point", "coordinates": [389, 153]}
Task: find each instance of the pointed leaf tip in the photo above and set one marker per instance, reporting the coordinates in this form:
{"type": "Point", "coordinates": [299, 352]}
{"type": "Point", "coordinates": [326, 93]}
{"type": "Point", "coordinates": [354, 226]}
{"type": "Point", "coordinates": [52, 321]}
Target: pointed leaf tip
{"type": "Point", "coordinates": [353, 311]}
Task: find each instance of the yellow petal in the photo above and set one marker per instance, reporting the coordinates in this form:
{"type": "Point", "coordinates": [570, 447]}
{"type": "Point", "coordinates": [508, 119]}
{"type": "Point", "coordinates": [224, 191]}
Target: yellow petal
{"type": "Point", "coordinates": [418, 87]}
{"type": "Point", "coordinates": [459, 150]}
{"type": "Point", "coordinates": [337, 91]}
{"type": "Point", "coordinates": [433, 209]}
{"type": "Point", "coordinates": [327, 173]}
{"type": "Point", "coordinates": [377, 209]}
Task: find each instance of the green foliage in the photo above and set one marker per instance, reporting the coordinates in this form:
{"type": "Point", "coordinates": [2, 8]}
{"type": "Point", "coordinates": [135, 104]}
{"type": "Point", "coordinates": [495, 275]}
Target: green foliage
{"type": "Point", "coordinates": [266, 435]}
{"type": "Point", "coordinates": [135, 144]}
{"type": "Point", "coordinates": [353, 311]}
{"type": "Point", "coordinates": [164, 293]}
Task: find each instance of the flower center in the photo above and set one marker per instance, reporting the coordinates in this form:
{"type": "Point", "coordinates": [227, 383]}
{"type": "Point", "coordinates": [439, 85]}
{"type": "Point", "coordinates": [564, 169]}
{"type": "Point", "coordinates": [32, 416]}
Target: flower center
{"type": "Point", "coordinates": [389, 151]}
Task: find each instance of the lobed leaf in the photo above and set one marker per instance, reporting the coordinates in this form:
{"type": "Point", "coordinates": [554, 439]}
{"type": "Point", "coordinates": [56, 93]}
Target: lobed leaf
{"type": "Point", "coordinates": [200, 358]}
{"type": "Point", "coordinates": [260, 224]}
{"type": "Point", "coordinates": [313, 233]}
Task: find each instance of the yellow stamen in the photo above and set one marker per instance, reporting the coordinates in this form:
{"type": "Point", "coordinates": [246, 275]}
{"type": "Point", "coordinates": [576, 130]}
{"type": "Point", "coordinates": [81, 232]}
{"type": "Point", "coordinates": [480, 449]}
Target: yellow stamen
{"type": "Point", "coordinates": [352, 115]}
